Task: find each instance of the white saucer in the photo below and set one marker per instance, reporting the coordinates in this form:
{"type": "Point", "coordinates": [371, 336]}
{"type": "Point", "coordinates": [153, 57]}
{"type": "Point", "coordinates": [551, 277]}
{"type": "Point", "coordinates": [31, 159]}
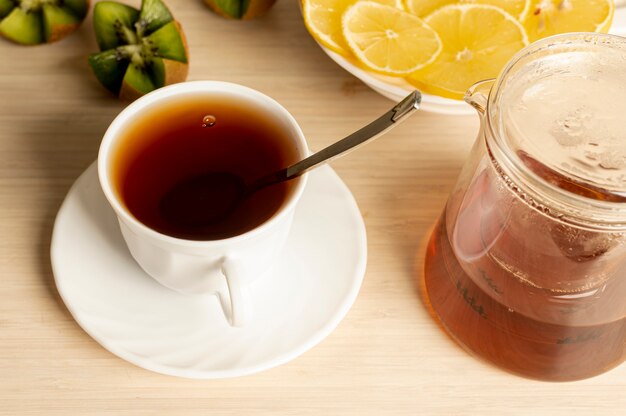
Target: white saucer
{"type": "Point", "coordinates": [129, 314]}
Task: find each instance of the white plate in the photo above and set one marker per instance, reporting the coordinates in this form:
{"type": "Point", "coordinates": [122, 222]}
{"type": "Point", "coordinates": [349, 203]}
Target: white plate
{"type": "Point", "coordinates": [619, 20]}
{"type": "Point", "coordinates": [397, 88]}
{"type": "Point", "coordinates": [129, 314]}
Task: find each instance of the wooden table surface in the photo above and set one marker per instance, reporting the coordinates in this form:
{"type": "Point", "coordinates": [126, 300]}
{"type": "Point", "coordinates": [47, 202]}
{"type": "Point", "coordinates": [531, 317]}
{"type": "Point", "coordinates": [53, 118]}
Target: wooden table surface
{"type": "Point", "coordinates": [387, 357]}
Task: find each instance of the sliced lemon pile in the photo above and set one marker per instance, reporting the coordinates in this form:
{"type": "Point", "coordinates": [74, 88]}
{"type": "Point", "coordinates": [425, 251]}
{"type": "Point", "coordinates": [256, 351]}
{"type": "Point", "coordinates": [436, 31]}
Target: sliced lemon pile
{"type": "Point", "coordinates": [444, 46]}
{"type": "Point", "coordinates": [549, 17]}
{"type": "Point", "coordinates": [469, 55]}
{"type": "Point", "coordinates": [422, 8]}
{"type": "Point", "coordinates": [323, 20]}
{"type": "Point", "coordinates": [389, 40]}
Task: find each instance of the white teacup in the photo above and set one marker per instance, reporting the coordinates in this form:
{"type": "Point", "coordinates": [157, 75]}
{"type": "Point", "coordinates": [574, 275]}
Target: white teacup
{"type": "Point", "coordinates": [190, 266]}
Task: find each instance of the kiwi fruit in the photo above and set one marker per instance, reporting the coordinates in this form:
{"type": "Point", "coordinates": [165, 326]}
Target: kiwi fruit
{"type": "Point", "coordinates": [240, 9]}
{"type": "Point", "coordinates": [32, 22]}
{"type": "Point", "coordinates": [140, 50]}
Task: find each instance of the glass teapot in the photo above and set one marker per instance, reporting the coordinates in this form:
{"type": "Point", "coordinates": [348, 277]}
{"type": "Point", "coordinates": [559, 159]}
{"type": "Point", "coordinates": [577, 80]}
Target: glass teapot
{"type": "Point", "coordinates": [526, 267]}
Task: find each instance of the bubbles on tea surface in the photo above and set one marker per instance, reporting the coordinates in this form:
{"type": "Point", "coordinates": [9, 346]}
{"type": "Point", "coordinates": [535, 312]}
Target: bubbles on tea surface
{"type": "Point", "coordinates": [209, 120]}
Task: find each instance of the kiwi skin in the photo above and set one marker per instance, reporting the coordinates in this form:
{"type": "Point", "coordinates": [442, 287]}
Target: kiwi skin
{"type": "Point", "coordinates": [58, 23]}
{"type": "Point", "coordinates": [142, 50]}
{"type": "Point", "coordinates": [44, 21]}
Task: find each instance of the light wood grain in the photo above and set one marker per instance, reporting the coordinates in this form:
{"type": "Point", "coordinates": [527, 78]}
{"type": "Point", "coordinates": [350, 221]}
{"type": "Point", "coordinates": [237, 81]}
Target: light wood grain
{"type": "Point", "coordinates": [388, 357]}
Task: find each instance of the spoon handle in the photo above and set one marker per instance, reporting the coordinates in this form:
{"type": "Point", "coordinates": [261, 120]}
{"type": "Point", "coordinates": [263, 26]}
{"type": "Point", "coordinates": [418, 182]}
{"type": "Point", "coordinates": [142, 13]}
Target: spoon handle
{"type": "Point", "coordinates": [370, 132]}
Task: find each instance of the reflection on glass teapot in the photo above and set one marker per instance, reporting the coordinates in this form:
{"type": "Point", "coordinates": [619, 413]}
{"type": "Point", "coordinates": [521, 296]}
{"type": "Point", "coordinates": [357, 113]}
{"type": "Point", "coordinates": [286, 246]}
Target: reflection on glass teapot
{"type": "Point", "coordinates": [527, 265]}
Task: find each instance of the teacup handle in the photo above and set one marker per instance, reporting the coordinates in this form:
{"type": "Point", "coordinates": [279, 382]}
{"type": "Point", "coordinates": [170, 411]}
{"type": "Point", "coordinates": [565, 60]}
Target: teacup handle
{"type": "Point", "coordinates": [237, 312]}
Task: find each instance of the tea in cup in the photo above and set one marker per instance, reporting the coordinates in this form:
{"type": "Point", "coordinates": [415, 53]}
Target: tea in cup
{"type": "Point", "coordinates": [153, 166]}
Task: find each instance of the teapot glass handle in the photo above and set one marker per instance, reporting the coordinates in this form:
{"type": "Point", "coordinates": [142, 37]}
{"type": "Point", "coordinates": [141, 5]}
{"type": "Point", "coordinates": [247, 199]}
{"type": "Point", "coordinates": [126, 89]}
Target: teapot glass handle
{"type": "Point", "coordinates": [478, 95]}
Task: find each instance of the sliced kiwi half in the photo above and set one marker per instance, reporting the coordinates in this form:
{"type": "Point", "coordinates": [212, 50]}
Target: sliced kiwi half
{"type": "Point", "coordinates": [31, 22]}
{"type": "Point", "coordinates": [140, 50]}
{"type": "Point", "coordinates": [240, 9]}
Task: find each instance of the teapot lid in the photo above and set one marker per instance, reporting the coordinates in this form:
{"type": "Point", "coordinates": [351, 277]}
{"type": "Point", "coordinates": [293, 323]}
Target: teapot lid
{"type": "Point", "coordinates": [558, 114]}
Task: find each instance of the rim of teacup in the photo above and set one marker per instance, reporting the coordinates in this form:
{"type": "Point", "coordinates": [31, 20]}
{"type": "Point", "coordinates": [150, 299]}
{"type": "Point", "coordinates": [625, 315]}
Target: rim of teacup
{"type": "Point", "coordinates": [194, 88]}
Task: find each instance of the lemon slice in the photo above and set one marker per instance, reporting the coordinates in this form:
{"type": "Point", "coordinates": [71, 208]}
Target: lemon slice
{"type": "Point", "coordinates": [388, 40]}
{"type": "Point", "coordinates": [549, 17]}
{"type": "Point", "coordinates": [323, 21]}
{"type": "Point", "coordinates": [516, 8]}
{"type": "Point", "coordinates": [422, 8]}
{"type": "Point", "coordinates": [478, 40]}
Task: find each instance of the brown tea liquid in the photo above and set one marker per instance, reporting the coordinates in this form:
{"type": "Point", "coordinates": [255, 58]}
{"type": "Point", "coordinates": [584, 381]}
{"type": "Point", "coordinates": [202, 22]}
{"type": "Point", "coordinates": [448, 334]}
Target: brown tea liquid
{"type": "Point", "coordinates": [516, 289]}
{"type": "Point", "coordinates": [170, 144]}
